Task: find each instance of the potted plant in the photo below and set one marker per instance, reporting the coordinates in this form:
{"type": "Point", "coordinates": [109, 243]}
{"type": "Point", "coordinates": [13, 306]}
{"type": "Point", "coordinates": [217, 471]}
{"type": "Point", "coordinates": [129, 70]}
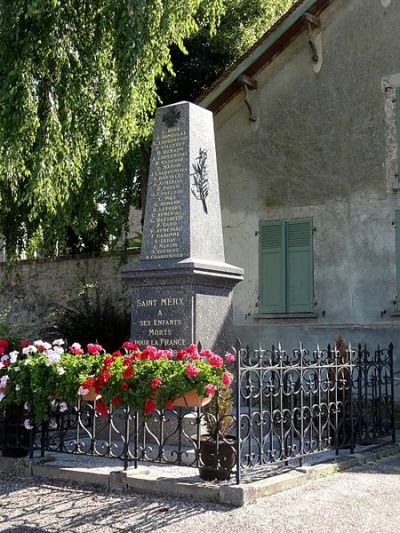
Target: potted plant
{"type": "Point", "coordinates": [41, 371]}
{"type": "Point", "coordinates": [157, 378]}
{"type": "Point", "coordinates": [217, 448]}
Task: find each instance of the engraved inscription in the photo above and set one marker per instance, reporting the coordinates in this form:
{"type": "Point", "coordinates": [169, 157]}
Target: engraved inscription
{"type": "Point", "coordinates": [160, 321]}
{"type": "Point", "coordinates": [166, 216]}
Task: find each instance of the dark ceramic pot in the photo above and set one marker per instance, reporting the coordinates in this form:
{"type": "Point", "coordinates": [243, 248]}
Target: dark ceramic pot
{"type": "Point", "coordinates": [14, 438]}
{"type": "Point", "coordinates": [217, 460]}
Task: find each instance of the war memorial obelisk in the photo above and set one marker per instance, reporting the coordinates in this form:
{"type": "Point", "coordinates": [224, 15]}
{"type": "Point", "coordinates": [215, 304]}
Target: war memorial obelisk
{"type": "Point", "coordinates": [181, 286]}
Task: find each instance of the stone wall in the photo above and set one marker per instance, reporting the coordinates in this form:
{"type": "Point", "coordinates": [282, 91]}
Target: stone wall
{"type": "Point", "coordinates": [28, 296]}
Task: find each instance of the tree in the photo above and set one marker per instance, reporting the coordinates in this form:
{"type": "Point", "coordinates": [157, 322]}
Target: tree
{"type": "Point", "coordinates": [206, 57]}
{"type": "Point", "coordinates": [77, 88]}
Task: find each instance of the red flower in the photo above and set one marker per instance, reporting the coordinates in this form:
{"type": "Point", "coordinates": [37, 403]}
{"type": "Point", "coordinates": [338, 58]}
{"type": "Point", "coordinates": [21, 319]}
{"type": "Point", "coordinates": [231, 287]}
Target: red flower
{"type": "Point", "coordinates": [117, 354]}
{"type": "Point", "coordinates": [226, 378]}
{"type": "Point", "coordinates": [94, 349]}
{"type": "Point", "coordinates": [192, 371]}
{"type": "Point", "coordinates": [4, 343]}
{"type": "Point", "coordinates": [108, 361]}
{"type": "Point", "coordinates": [128, 373]}
{"type": "Point", "coordinates": [195, 356]}
{"type": "Point", "coordinates": [181, 354]}
{"type": "Point", "coordinates": [128, 361]}
{"type": "Point", "coordinates": [89, 382]}
{"type": "Point", "coordinates": [216, 360]}
{"type": "Point", "coordinates": [25, 343]}
{"type": "Point", "coordinates": [149, 406]}
{"type": "Point", "coordinates": [132, 346]}
{"type": "Point", "coordinates": [102, 378]}
{"type": "Point", "coordinates": [2, 350]}
{"type": "Point", "coordinates": [124, 386]}
{"type": "Point", "coordinates": [101, 408]}
{"type": "Point", "coordinates": [155, 383]}
{"type": "Point", "coordinates": [150, 352]}
{"type": "Point", "coordinates": [40, 348]}
{"type": "Point", "coordinates": [116, 401]}
{"type": "Point", "coordinates": [169, 405]}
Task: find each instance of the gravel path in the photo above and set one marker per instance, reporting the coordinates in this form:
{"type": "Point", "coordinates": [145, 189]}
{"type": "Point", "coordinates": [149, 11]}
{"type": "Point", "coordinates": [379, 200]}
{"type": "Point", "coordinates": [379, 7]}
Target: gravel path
{"type": "Point", "coordinates": [365, 499]}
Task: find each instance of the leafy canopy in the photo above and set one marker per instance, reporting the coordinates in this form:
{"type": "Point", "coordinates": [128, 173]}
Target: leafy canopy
{"type": "Point", "coordinates": [77, 85]}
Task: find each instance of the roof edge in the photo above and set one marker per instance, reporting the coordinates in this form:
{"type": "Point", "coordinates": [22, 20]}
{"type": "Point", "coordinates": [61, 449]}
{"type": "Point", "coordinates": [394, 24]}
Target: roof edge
{"type": "Point", "coordinates": [287, 27]}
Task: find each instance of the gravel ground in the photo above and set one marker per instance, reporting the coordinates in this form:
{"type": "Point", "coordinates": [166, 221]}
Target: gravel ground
{"type": "Point", "coordinates": [364, 499]}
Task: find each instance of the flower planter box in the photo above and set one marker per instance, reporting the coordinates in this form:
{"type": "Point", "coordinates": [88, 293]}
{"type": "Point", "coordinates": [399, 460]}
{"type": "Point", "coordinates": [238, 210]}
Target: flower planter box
{"type": "Point", "coordinates": [191, 399]}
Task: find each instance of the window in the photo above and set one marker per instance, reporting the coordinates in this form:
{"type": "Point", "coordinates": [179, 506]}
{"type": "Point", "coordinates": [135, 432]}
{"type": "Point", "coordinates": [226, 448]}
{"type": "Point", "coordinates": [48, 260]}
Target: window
{"type": "Point", "coordinates": [286, 266]}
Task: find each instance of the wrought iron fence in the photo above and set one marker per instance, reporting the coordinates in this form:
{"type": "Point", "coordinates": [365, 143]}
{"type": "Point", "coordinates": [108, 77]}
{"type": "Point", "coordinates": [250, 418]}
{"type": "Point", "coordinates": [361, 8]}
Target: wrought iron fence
{"type": "Point", "coordinates": [286, 407]}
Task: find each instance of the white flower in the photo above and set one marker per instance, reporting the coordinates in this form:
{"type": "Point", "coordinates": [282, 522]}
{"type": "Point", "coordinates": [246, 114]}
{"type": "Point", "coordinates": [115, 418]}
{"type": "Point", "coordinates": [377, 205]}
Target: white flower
{"type": "Point", "coordinates": [38, 343]}
{"type": "Point", "coordinates": [1, 365]}
{"type": "Point", "coordinates": [27, 424]}
{"type": "Point", "coordinates": [63, 407]}
{"type": "Point", "coordinates": [58, 342]}
{"type": "Point", "coordinates": [82, 391]}
{"type": "Point", "coordinates": [29, 349]}
{"type": "Point", "coordinates": [76, 345]}
{"type": "Point", "coordinates": [17, 388]}
{"type": "Point", "coordinates": [2, 396]}
{"type": "Point", "coordinates": [5, 358]}
{"type": "Point", "coordinates": [13, 356]}
{"type": "Point", "coordinates": [27, 362]}
{"type": "Point", "coordinates": [60, 370]}
{"type": "Point", "coordinates": [3, 382]}
{"type": "Point", "coordinates": [58, 349]}
{"type": "Point", "coordinates": [47, 345]}
{"type": "Point", "coordinates": [16, 369]}
{"type": "Point", "coordinates": [26, 406]}
{"type": "Point", "coordinates": [53, 357]}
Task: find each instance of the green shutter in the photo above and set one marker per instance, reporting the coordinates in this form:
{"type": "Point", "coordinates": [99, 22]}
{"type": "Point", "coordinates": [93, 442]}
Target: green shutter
{"type": "Point", "coordinates": [272, 267]}
{"type": "Point", "coordinates": [299, 280]}
{"type": "Point", "coordinates": [397, 118]}
{"type": "Point", "coordinates": [398, 259]}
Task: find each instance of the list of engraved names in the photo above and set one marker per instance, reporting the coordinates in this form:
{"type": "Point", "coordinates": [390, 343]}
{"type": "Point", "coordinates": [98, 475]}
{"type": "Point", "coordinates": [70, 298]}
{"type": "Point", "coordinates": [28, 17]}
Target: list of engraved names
{"type": "Point", "coordinates": [168, 171]}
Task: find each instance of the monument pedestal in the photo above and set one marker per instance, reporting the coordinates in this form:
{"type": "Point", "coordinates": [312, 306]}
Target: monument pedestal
{"type": "Point", "coordinates": [185, 303]}
{"type": "Point", "coordinates": [181, 286]}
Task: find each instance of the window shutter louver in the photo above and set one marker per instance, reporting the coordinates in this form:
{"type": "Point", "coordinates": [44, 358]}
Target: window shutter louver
{"type": "Point", "coordinates": [272, 267]}
{"type": "Point", "coordinates": [299, 266]}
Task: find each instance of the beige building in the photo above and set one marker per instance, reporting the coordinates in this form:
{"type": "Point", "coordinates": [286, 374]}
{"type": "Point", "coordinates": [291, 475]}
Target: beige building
{"type": "Point", "coordinates": [307, 132]}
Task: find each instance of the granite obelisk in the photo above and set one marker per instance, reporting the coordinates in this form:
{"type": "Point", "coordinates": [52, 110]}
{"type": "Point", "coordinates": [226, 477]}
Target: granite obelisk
{"type": "Point", "coordinates": [181, 285]}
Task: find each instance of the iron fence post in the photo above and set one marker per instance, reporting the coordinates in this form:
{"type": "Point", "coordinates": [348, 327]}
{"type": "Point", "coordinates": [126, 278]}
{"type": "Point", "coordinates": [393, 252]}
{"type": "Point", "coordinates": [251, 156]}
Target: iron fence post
{"type": "Point", "coordinates": [238, 414]}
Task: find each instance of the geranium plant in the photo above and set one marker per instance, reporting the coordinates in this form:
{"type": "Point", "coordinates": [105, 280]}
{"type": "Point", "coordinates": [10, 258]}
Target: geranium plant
{"type": "Point", "coordinates": [40, 372]}
{"type": "Point", "coordinates": [154, 378]}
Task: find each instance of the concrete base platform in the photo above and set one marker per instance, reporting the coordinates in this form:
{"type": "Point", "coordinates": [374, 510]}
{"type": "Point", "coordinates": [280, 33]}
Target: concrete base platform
{"type": "Point", "coordinates": [180, 481]}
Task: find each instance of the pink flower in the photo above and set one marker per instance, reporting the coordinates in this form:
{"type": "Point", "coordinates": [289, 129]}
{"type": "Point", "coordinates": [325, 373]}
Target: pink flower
{"type": "Point", "coordinates": [215, 360]}
{"type": "Point", "coordinates": [226, 378]}
{"type": "Point", "coordinates": [230, 357]}
{"type": "Point", "coordinates": [149, 406]}
{"type": "Point", "coordinates": [94, 349]}
{"type": "Point", "coordinates": [155, 383]}
{"type": "Point", "coordinates": [192, 371]}
{"type": "Point", "coordinates": [75, 350]}
{"type": "Point", "coordinates": [169, 405]}
{"type": "Point", "coordinates": [192, 348]}
{"type": "Point", "coordinates": [206, 353]}
{"type": "Point", "coordinates": [195, 356]}
{"type": "Point", "coordinates": [209, 389]}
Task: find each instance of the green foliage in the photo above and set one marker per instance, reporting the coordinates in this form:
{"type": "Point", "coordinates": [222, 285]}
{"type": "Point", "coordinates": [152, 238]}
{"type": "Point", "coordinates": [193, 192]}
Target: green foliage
{"type": "Point", "coordinates": [88, 317]}
{"type": "Point", "coordinates": [218, 413]}
{"type": "Point", "coordinates": [243, 22]}
{"type": "Point", "coordinates": [34, 380]}
{"type": "Point", "coordinates": [77, 87]}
